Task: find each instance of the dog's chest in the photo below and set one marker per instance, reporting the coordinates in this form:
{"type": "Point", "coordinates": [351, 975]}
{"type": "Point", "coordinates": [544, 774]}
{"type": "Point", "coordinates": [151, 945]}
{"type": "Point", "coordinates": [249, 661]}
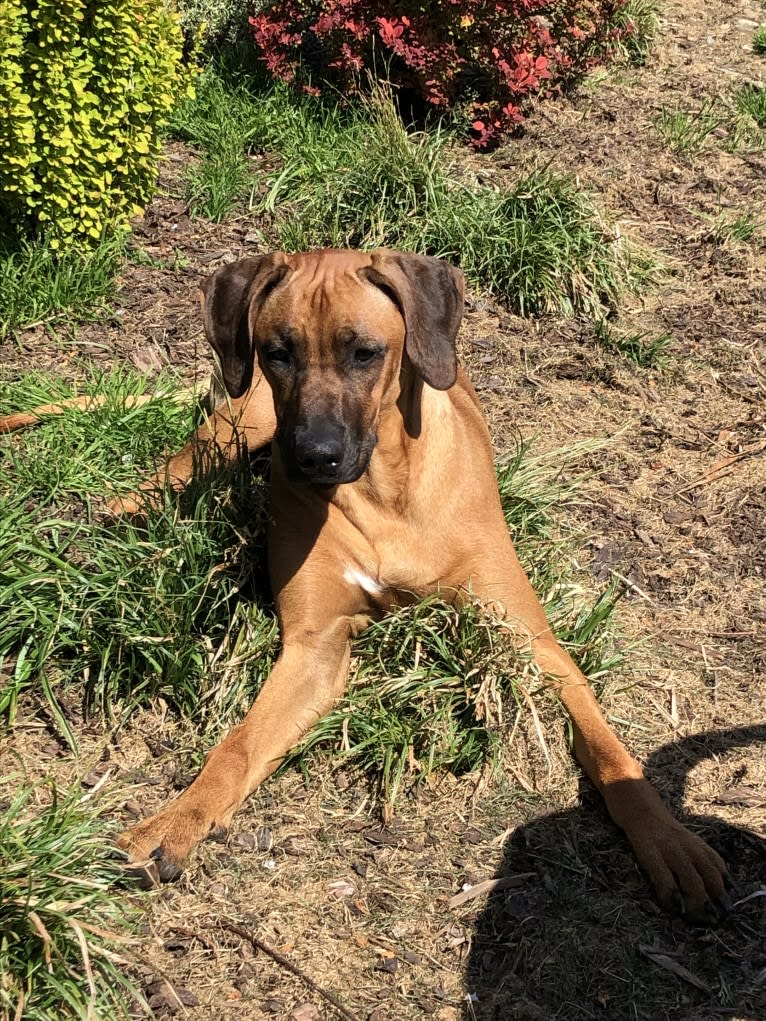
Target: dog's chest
{"type": "Point", "coordinates": [395, 570]}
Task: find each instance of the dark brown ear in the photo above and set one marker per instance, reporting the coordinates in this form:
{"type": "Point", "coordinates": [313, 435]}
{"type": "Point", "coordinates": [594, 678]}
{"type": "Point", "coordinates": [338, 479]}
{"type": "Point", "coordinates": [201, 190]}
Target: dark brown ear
{"type": "Point", "coordinates": [229, 296]}
{"type": "Point", "coordinates": [429, 293]}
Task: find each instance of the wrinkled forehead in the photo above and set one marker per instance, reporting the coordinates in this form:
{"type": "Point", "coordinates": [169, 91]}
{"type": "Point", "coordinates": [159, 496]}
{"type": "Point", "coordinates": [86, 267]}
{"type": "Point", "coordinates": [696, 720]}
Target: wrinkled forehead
{"type": "Point", "coordinates": [323, 294]}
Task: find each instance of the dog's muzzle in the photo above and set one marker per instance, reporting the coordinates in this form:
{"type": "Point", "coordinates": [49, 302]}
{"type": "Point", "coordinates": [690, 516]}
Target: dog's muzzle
{"type": "Point", "coordinates": [324, 453]}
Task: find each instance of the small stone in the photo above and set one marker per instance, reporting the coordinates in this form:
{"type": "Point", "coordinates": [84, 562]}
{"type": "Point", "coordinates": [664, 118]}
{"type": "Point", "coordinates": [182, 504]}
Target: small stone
{"type": "Point", "coordinates": [247, 841]}
{"type": "Point", "coordinates": [305, 1012]}
{"type": "Point", "coordinates": [264, 838]}
{"type": "Point", "coordinates": [340, 888]}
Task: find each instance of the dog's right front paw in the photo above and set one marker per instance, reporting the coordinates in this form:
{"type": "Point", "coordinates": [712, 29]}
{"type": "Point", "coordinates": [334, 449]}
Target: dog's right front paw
{"type": "Point", "coordinates": [154, 851]}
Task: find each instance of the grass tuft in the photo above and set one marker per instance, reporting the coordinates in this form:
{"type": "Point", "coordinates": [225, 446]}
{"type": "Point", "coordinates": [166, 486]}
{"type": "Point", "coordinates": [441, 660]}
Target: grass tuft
{"type": "Point", "coordinates": [647, 350]}
{"type": "Point", "coordinates": [640, 20]}
{"type": "Point", "coordinates": [742, 229]}
{"type": "Point", "coordinates": [750, 101]}
{"type": "Point", "coordinates": [759, 40]}
{"type": "Point", "coordinates": [352, 176]}
{"type": "Point", "coordinates": [686, 131]}
{"type": "Point", "coordinates": [64, 931]}
{"type": "Point", "coordinates": [38, 284]}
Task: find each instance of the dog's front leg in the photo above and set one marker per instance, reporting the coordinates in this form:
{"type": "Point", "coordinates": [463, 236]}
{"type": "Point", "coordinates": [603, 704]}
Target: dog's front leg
{"type": "Point", "coordinates": [688, 876]}
{"type": "Point", "coordinates": [308, 677]}
{"type": "Point", "coordinates": [235, 427]}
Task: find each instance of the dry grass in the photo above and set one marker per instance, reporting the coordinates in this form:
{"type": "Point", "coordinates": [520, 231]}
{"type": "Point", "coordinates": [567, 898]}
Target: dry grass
{"type": "Point", "coordinates": [581, 937]}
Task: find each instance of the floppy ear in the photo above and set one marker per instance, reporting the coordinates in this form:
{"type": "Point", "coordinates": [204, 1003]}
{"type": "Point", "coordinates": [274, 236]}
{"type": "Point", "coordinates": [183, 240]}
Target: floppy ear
{"type": "Point", "coordinates": [429, 293]}
{"type": "Point", "coordinates": [228, 296]}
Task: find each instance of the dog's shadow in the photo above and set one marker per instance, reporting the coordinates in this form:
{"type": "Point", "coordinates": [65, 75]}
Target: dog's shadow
{"type": "Point", "coordinates": [581, 937]}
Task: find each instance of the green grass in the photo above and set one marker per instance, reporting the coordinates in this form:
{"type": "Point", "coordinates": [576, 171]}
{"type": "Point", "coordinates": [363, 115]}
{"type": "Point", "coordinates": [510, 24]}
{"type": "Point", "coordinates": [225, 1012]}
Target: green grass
{"type": "Point", "coordinates": [645, 349]}
{"type": "Point", "coordinates": [747, 131]}
{"type": "Point", "coordinates": [223, 123]}
{"type": "Point", "coordinates": [128, 614]}
{"type": "Point", "coordinates": [759, 40]}
{"type": "Point", "coordinates": [123, 614]}
{"type": "Point", "coordinates": [350, 175]}
{"type": "Point", "coordinates": [641, 20]}
{"type": "Point", "coordinates": [686, 132]}
{"type": "Point", "coordinates": [40, 285]}
{"type": "Point", "coordinates": [65, 933]}
{"type": "Point", "coordinates": [742, 229]}
{"type": "Point", "coordinates": [750, 101]}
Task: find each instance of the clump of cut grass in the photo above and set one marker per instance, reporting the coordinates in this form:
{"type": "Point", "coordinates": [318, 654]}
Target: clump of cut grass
{"type": "Point", "coordinates": [687, 131]}
{"type": "Point", "coordinates": [65, 933]}
{"type": "Point", "coordinates": [38, 284]}
{"type": "Point", "coordinates": [646, 349]}
{"type": "Point", "coordinates": [437, 687]}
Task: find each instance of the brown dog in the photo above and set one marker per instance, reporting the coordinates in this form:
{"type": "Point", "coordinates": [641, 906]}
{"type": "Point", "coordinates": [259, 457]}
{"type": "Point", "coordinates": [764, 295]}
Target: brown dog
{"type": "Point", "coordinates": [383, 486]}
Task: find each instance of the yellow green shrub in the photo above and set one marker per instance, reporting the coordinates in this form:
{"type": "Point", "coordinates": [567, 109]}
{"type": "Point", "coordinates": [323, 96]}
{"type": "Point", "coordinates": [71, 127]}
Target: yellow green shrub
{"type": "Point", "coordinates": [85, 89]}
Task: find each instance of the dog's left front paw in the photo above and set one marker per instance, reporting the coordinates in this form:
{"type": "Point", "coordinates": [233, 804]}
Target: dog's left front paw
{"type": "Point", "coordinates": [689, 877]}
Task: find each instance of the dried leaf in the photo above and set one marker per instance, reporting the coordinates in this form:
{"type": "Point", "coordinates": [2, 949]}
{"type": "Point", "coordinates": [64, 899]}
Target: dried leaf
{"type": "Point", "coordinates": [666, 962]}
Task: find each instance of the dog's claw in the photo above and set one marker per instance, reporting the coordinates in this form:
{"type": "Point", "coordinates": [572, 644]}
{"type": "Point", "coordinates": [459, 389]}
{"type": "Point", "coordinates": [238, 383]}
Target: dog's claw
{"type": "Point", "coordinates": [678, 903]}
{"type": "Point", "coordinates": [167, 869]}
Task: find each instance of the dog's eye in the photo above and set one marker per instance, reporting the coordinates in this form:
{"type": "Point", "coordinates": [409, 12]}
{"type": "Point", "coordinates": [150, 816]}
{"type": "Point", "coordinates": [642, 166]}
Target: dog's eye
{"type": "Point", "coordinates": [278, 356]}
{"type": "Point", "coordinates": [365, 355]}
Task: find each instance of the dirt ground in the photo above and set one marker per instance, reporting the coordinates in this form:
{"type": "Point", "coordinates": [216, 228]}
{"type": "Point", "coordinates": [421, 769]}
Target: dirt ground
{"type": "Point", "coordinates": [677, 507]}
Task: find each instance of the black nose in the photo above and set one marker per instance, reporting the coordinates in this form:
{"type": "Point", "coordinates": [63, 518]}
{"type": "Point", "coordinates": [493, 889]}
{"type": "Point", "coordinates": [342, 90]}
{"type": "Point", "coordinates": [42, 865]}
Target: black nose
{"type": "Point", "coordinates": [319, 452]}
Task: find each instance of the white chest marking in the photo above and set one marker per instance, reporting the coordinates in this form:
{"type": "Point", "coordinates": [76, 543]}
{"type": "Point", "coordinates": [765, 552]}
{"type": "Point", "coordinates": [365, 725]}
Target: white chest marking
{"type": "Point", "coordinates": [370, 585]}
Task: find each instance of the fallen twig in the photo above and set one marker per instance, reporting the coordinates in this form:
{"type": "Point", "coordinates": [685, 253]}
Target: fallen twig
{"type": "Point", "coordinates": [489, 886]}
{"type": "Point", "coordinates": [283, 962]}
{"type": "Point", "coordinates": [718, 471]}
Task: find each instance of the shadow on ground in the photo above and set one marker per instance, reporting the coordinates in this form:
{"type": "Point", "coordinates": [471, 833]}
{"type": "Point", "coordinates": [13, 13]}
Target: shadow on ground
{"type": "Point", "coordinates": [581, 938]}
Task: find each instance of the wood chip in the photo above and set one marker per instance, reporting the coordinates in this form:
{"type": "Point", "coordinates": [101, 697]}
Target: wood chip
{"type": "Point", "coordinates": [669, 964]}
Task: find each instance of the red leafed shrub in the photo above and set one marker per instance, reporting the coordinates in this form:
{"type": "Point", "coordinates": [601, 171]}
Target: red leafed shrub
{"type": "Point", "coordinates": [484, 56]}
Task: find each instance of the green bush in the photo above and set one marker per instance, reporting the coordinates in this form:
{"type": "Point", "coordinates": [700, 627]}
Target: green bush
{"type": "Point", "coordinates": [85, 87]}
{"type": "Point", "coordinates": [212, 23]}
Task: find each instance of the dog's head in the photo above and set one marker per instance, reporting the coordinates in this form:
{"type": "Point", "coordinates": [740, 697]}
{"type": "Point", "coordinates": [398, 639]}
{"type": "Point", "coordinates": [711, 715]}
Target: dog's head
{"type": "Point", "coordinates": [331, 331]}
